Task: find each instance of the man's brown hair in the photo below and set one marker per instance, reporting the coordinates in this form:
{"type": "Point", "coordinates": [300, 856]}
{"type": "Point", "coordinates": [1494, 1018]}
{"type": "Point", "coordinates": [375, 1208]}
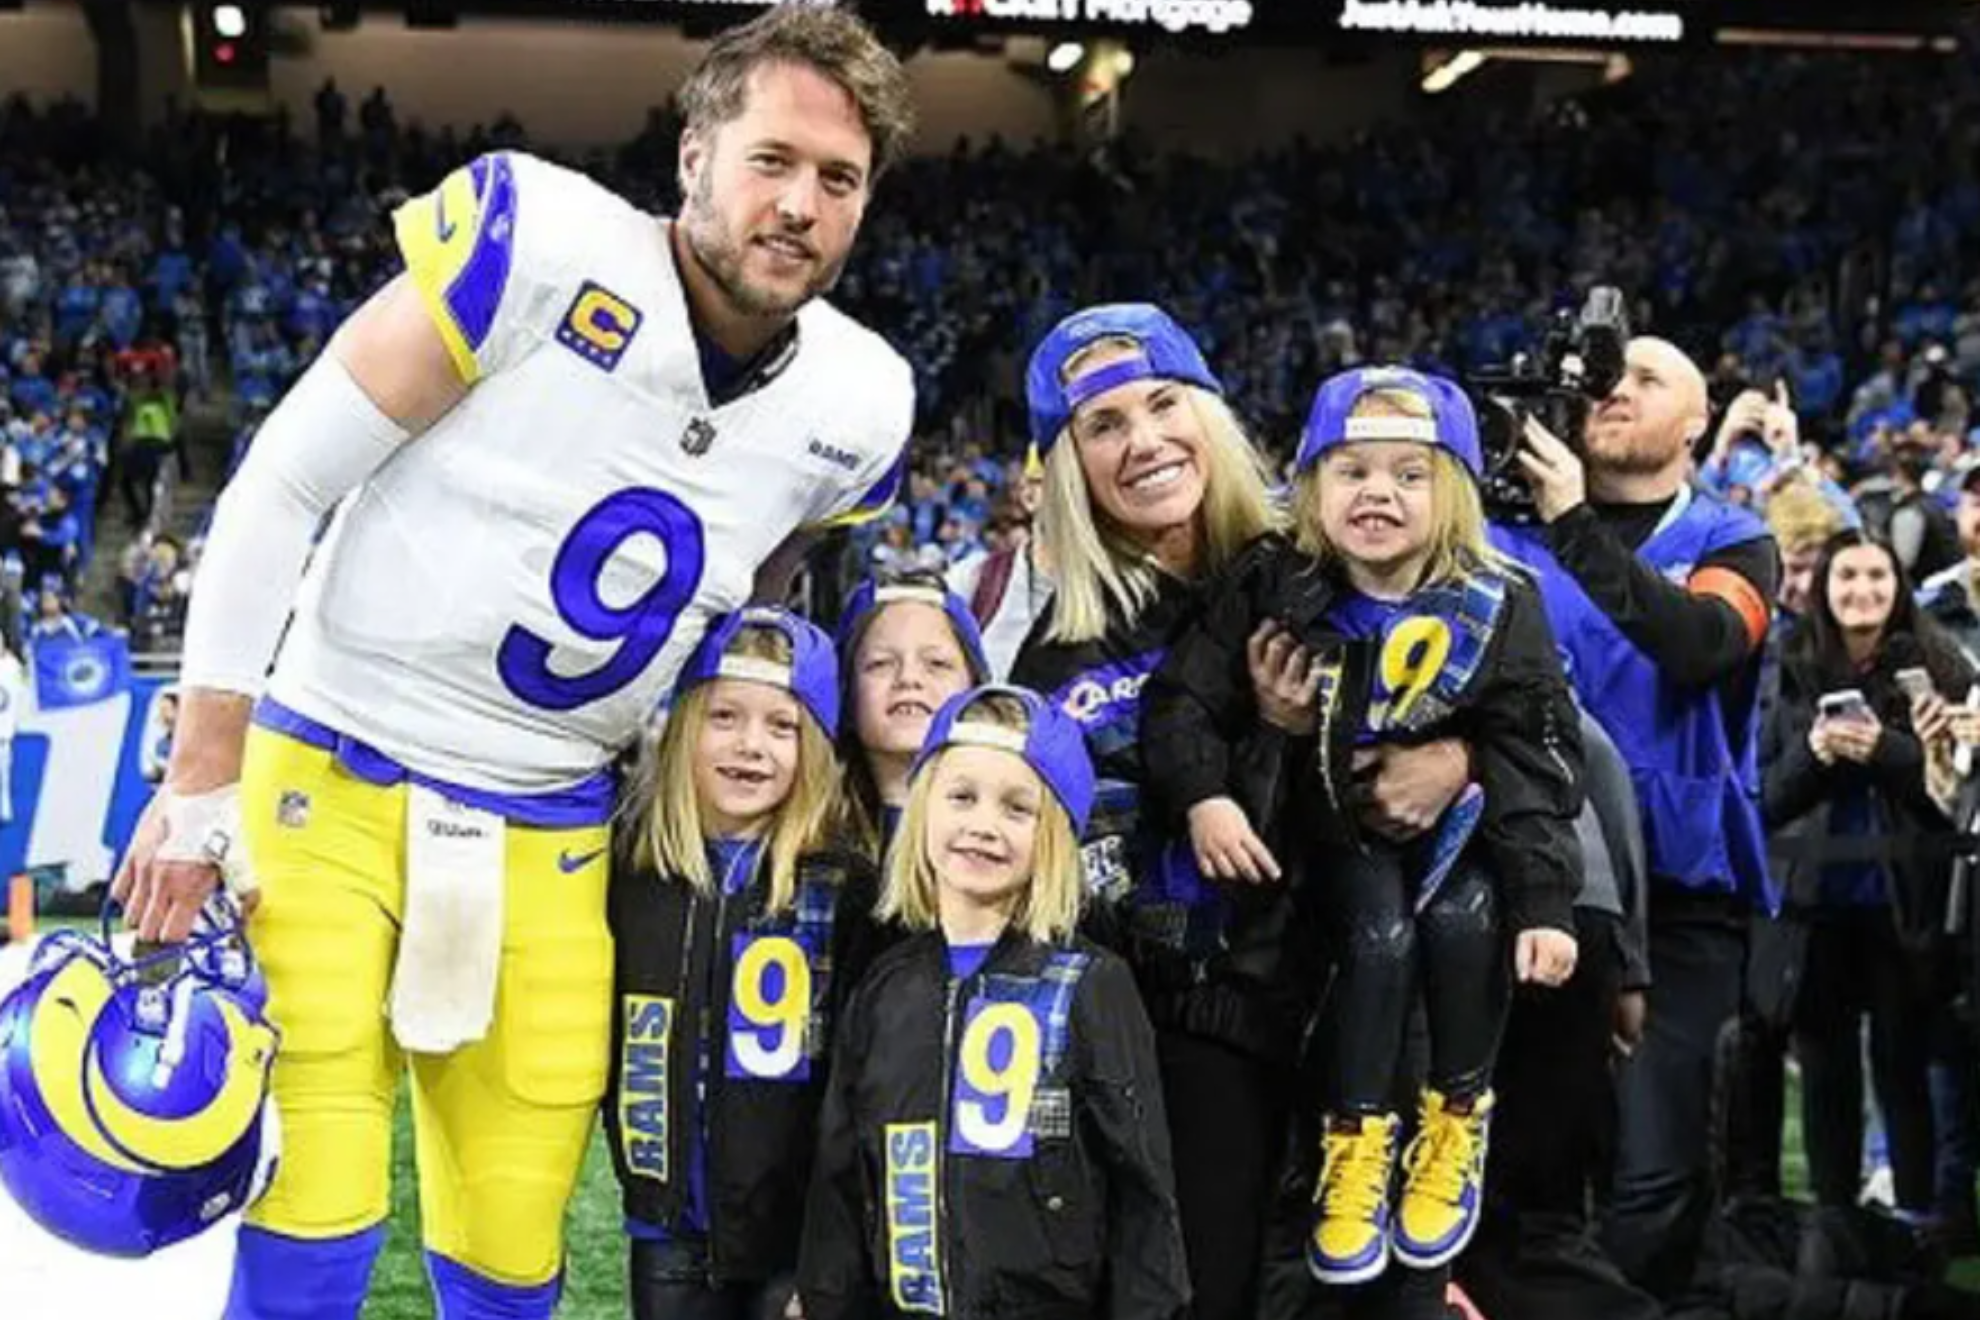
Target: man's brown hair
{"type": "Point", "coordinates": [832, 41]}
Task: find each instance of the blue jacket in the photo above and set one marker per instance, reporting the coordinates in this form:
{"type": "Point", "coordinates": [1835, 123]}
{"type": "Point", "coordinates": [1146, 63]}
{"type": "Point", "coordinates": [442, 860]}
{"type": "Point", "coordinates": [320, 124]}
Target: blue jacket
{"type": "Point", "coordinates": [1693, 753]}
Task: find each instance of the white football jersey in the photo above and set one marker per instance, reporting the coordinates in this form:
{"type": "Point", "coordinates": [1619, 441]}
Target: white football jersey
{"type": "Point", "coordinates": [510, 596]}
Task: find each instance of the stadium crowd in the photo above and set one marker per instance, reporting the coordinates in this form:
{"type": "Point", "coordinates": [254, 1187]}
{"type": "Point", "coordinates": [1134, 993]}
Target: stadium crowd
{"type": "Point", "coordinates": [1810, 220]}
{"type": "Point", "coordinates": [1808, 228]}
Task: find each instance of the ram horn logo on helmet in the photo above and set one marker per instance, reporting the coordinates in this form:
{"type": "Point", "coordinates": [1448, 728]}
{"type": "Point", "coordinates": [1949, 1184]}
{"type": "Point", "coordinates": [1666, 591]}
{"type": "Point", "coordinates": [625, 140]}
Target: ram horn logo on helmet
{"type": "Point", "coordinates": [134, 1109]}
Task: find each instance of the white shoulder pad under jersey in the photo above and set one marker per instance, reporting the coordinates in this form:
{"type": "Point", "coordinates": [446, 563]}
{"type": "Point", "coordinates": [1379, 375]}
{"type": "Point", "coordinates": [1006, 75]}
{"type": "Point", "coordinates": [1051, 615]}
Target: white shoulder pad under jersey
{"type": "Point", "coordinates": [505, 602]}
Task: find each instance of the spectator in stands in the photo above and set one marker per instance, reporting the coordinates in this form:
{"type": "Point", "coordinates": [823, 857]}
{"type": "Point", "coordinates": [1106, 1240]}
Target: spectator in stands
{"type": "Point", "coordinates": [158, 594]}
{"type": "Point", "coordinates": [1757, 436]}
{"type": "Point", "coordinates": [54, 618]}
{"type": "Point", "coordinates": [1922, 534]}
{"type": "Point", "coordinates": [1008, 584]}
{"type": "Point", "coordinates": [1802, 522]}
{"type": "Point", "coordinates": [1952, 595]}
{"type": "Point", "coordinates": [898, 551]}
{"type": "Point", "coordinates": [162, 719]}
{"type": "Point", "coordinates": [13, 693]}
{"type": "Point", "coordinates": [1660, 596]}
{"type": "Point", "coordinates": [330, 109]}
{"type": "Point", "coordinates": [150, 436]}
{"type": "Point", "coordinates": [50, 537]}
{"type": "Point", "coordinates": [1951, 599]}
{"type": "Point", "coordinates": [190, 338]}
{"type": "Point", "coordinates": [1753, 1062]}
{"type": "Point", "coordinates": [1847, 800]}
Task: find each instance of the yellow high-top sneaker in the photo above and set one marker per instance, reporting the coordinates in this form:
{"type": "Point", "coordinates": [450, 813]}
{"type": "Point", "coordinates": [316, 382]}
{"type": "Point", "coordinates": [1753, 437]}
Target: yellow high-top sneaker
{"type": "Point", "coordinates": [1443, 1182]}
{"type": "Point", "coordinates": [1350, 1239]}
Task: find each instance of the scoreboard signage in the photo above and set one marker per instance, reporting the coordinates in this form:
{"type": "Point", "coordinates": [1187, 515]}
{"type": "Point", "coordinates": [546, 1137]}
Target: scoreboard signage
{"type": "Point", "coordinates": [1212, 17]}
{"type": "Point", "coordinates": [1469, 20]}
{"type": "Point", "coordinates": [1603, 24]}
{"type": "Point", "coordinates": [1629, 25]}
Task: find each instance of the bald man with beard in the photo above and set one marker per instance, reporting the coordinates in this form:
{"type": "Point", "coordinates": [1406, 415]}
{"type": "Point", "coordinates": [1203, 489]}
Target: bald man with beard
{"type": "Point", "coordinates": [1659, 594]}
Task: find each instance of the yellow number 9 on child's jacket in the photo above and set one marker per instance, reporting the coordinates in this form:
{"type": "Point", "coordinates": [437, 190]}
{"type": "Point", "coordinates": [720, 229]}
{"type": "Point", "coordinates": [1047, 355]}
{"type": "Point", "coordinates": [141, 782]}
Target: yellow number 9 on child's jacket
{"type": "Point", "coordinates": [770, 1004]}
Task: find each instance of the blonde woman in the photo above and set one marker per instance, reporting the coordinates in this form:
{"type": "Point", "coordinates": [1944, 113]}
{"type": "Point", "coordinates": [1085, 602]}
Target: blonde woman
{"type": "Point", "coordinates": [1152, 490]}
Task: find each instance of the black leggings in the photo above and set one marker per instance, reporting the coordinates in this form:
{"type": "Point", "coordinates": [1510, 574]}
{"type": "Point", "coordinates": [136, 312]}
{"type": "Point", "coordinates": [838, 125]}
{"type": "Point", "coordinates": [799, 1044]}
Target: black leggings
{"type": "Point", "coordinates": [1383, 950]}
{"type": "Point", "coordinates": [669, 1281]}
{"type": "Point", "coordinates": [1855, 969]}
{"type": "Point", "coordinates": [1227, 1116]}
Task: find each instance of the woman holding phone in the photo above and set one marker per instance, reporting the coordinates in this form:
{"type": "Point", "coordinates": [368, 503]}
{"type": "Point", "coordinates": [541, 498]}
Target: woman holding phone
{"type": "Point", "coordinates": [1858, 846]}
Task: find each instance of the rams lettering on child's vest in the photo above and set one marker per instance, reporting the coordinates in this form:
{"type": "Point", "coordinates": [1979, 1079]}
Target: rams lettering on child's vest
{"type": "Point", "coordinates": [914, 1271]}
{"type": "Point", "coordinates": [643, 1096]}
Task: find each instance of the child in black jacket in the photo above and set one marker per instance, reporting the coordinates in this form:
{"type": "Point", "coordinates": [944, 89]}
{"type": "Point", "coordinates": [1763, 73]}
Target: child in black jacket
{"type": "Point", "coordinates": [1391, 620]}
{"type": "Point", "coordinates": [737, 934]}
{"type": "Point", "coordinates": [993, 1141]}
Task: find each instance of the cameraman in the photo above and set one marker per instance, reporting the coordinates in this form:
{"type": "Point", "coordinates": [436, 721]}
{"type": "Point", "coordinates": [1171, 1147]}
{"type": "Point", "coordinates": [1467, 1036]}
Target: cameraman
{"type": "Point", "coordinates": [1660, 594]}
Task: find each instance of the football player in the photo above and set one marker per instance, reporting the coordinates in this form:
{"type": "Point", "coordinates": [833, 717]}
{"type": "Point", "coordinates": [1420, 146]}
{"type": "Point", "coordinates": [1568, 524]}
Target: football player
{"type": "Point", "coordinates": [564, 439]}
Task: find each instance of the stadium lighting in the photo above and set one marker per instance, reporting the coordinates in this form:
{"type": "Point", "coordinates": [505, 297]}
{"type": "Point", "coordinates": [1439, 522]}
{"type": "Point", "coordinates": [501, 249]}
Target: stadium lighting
{"type": "Point", "coordinates": [229, 21]}
{"type": "Point", "coordinates": [1446, 75]}
{"type": "Point", "coordinates": [1065, 57]}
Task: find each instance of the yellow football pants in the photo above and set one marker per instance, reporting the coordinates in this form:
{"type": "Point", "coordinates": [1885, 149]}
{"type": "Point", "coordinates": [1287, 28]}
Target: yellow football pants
{"type": "Point", "coordinates": [500, 1125]}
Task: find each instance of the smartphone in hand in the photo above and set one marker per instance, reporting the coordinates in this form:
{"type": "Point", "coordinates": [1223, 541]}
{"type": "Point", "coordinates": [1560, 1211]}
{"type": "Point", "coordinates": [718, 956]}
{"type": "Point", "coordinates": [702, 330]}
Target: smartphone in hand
{"type": "Point", "coordinates": [1915, 683]}
{"type": "Point", "coordinates": [1846, 705]}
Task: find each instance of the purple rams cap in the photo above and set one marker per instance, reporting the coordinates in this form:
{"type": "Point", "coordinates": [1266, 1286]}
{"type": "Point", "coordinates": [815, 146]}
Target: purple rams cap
{"type": "Point", "coordinates": [874, 595]}
{"type": "Point", "coordinates": [1167, 353]}
{"type": "Point", "coordinates": [1452, 424]}
{"type": "Point", "coordinates": [812, 676]}
{"type": "Point", "coordinates": [1052, 744]}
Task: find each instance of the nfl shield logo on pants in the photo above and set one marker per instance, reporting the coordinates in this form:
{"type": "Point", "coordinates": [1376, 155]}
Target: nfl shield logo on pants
{"type": "Point", "coordinates": [292, 809]}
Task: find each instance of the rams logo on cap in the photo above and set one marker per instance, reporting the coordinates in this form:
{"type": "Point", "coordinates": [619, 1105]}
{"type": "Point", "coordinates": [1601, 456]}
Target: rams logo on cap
{"type": "Point", "coordinates": [599, 326]}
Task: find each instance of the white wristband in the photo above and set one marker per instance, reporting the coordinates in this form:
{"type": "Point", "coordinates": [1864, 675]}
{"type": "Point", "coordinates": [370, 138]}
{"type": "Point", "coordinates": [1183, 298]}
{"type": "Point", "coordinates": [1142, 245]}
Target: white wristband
{"type": "Point", "coordinates": [206, 827]}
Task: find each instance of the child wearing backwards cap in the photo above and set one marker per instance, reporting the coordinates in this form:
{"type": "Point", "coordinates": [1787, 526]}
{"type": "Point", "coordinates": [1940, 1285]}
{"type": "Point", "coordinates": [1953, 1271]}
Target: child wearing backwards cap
{"type": "Point", "coordinates": [906, 645]}
{"type": "Point", "coordinates": [1390, 620]}
{"type": "Point", "coordinates": [993, 1140]}
{"type": "Point", "coordinates": [736, 937]}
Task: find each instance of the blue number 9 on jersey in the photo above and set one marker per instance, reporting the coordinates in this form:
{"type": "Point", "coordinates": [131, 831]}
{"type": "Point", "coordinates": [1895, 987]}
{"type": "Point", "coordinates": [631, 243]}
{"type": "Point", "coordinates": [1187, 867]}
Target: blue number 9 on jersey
{"type": "Point", "coordinates": [769, 1010]}
{"type": "Point", "coordinates": [641, 626]}
{"type": "Point", "coordinates": [996, 1078]}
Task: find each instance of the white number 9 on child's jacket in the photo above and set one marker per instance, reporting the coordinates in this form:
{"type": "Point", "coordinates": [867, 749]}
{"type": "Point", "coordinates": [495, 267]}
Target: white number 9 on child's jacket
{"type": "Point", "coordinates": [996, 1077]}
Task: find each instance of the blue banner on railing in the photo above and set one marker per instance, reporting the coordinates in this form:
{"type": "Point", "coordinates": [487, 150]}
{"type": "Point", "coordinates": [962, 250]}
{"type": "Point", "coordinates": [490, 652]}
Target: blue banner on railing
{"type": "Point", "coordinates": [88, 732]}
{"type": "Point", "coordinates": [79, 671]}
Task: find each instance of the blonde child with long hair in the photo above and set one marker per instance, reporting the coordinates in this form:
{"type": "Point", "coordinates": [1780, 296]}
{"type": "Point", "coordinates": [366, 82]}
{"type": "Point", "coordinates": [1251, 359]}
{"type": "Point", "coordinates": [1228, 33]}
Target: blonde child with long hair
{"type": "Point", "coordinates": [992, 1141]}
{"type": "Point", "coordinates": [1389, 619]}
{"type": "Point", "coordinates": [906, 645]}
{"type": "Point", "coordinates": [738, 932]}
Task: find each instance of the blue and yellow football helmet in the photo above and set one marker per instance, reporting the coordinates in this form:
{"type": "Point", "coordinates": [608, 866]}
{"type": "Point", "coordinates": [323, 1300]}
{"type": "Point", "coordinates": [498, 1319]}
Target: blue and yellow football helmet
{"type": "Point", "coordinates": [134, 1107]}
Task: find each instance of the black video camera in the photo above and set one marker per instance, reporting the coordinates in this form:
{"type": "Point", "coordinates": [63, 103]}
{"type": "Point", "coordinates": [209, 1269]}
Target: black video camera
{"type": "Point", "coordinates": [1579, 364]}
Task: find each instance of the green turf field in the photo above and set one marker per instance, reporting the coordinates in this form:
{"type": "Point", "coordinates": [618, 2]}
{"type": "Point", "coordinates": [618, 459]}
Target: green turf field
{"type": "Point", "coordinates": [594, 1289]}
